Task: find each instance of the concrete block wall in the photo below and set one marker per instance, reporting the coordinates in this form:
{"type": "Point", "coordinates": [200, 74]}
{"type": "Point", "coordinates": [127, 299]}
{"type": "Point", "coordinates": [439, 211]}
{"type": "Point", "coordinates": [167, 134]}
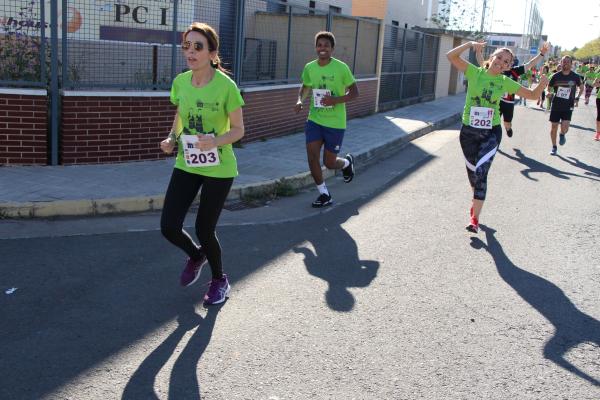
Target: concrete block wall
{"type": "Point", "coordinates": [23, 126]}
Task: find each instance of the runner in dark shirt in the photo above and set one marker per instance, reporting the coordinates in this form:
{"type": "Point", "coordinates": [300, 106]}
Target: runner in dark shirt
{"type": "Point", "coordinates": [507, 103]}
{"type": "Point", "coordinates": [563, 85]}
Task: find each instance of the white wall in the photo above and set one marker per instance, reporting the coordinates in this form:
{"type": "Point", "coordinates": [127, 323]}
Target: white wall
{"type": "Point", "coordinates": [345, 5]}
{"type": "Point", "coordinates": [411, 12]}
{"type": "Point", "coordinates": [442, 82]}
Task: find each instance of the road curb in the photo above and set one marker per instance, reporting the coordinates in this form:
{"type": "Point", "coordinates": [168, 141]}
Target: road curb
{"type": "Point", "coordinates": [91, 207]}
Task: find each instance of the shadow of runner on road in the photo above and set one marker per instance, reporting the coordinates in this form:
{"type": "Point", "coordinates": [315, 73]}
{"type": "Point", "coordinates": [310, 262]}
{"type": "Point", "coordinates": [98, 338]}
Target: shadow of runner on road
{"type": "Point", "coordinates": [590, 169]}
{"type": "Point", "coordinates": [183, 383]}
{"type": "Point", "coordinates": [83, 299]}
{"type": "Point", "coordinates": [572, 327]}
{"type": "Point", "coordinates": [535, 166]}
{"type": "Point", "coordinates": [583, 128]}
{"type": "Point", "coordinates": [338, 265]}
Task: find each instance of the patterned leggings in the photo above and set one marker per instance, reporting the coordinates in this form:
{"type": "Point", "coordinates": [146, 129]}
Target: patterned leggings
{"type": "Point", "coordinates": [479, 147]}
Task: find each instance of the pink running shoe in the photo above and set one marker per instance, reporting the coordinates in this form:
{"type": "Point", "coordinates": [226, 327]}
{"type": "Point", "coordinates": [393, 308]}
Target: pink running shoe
{"type": "Point", "coordinates": [191, 272]}
{"type": "Point", "coordinates": [218, 291]}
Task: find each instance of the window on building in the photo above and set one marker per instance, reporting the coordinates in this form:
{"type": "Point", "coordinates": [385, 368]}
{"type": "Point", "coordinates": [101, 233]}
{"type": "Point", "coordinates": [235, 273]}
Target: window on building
{"type": "Point", "coordinates": [335, 10]}
{"type": "Point", "coordinates": [395, 23]}
{"type": "Point", "coordinates": [312, 5]}
{"type": "Point", "coordinates": [512, 44]}
{"type": "Point", "coordinates": [276, 8]}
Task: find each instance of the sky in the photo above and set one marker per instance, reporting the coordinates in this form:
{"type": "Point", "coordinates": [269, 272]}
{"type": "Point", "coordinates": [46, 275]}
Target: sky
{"type": "Point", "coordinates": [568, 23]}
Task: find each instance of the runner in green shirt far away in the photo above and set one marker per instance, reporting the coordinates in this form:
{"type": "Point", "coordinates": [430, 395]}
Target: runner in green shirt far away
{"type": "Point", "coordinates": [332, 85]}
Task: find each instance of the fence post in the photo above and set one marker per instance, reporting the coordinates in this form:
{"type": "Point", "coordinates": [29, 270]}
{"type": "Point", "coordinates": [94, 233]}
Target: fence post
{"type": "Point", "coordinates": [329, 22]}
{"type": "Point", "coordinates": [65, 50]}
{"type": "Point", "coordinates": [355, 47]}
{"type": "Point", "coordinates": [174, 42]}
{"type": "Point", "coordinates": [54, 97]}
{"type": "Point", "coordinates": [379, 61]}
{"type": "Point", "coordinates": [402, 63]}
{"type": "Point", "coordinates": [239, 41]}
{"type": "Point", "coordinates": [421, 66]}
{"type": "Point", "coordinates": [289, 41]}
{"type": "Point", "coordinates": [44, 72]}
{"type": "Point", "coordinates": [437, 51]}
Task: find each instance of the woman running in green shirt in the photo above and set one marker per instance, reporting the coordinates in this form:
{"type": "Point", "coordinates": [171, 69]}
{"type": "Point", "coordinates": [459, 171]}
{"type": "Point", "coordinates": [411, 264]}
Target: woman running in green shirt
{"type": "Point", "coordinates": [208, 120]}
{"type": "Point", "coordinates": [481, 131]}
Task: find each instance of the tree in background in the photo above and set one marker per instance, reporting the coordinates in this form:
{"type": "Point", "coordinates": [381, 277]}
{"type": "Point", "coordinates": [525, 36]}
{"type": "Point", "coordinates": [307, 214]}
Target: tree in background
{"type": "Point", "coordinates": [589, 51]}
{"type": "Point", "coordinates": [456, 15]}
{"type": "Point", "coordinates": [570, 53]}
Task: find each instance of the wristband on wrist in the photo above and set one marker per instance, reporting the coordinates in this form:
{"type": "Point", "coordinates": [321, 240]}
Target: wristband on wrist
{"type": "Point", "coordinates": [173, 136]}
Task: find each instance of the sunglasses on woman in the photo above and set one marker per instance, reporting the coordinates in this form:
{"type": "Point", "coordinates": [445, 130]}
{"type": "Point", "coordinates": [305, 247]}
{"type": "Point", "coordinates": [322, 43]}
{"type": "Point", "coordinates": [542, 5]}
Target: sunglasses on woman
{"type": "Point", "coordinates": [198, 46]}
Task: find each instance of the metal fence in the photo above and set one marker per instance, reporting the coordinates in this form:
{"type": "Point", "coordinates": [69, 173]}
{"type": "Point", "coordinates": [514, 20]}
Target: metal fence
{"type": "Point", "coordinates": [409, 67]}
{"type": "Point", "coordinates": [125, 45]}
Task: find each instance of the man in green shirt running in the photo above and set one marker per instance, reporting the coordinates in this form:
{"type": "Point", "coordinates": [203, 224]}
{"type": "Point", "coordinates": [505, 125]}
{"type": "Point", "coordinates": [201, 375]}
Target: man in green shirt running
{"type": "Point", "coordinates": [332, 85]}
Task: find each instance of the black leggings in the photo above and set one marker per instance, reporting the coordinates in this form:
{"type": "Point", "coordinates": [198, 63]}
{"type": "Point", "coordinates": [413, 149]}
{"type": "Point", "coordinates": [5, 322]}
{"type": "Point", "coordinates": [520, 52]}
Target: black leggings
{"type": "Point", "coordinates": [479, 147]}
{"type": "Point", "coordinates": [598, 107]}
{"type": "Point", "coordinates": [181, 192]}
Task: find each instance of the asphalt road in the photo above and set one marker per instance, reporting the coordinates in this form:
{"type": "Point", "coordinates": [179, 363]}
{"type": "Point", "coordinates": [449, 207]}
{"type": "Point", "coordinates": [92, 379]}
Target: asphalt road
{"type": "Point", "coordinates": [383, 296]}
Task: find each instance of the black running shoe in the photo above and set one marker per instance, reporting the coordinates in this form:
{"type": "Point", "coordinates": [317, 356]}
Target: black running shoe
{"type": "Point", "coordinates": [348, 172]}
{"type": "Point", "coordinates": [509, 132]}
{"type": "Point", "coordinates": [562, 139]}
{"type": "Point", "coordinates": [474, 225]}
{"type": "Point", "coordinates": [322, 201]}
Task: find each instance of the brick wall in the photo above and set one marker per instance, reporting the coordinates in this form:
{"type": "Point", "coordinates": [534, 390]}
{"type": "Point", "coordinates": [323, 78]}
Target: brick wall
{"type": "Point", "coordinates": [117, 127]}
{"type": "Point", "coordinates": [23, 127]}
{"type": "Point", "coordinates": [99, 129]}
{"type": "Point", "coordinates": [270, 113]}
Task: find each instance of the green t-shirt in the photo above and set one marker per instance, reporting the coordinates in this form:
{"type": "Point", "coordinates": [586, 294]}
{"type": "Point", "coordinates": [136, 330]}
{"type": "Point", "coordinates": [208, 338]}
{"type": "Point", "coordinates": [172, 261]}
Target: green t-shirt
{"type": "Point", "coordinates": [582, 70]}
{"type": "Point", "coordinates": [206, 110]}
{"type": "Point", "coordinates": [485, 90]}
{"type": "Point", "coordinates": [335, 77]}
{"type": "Point", "coordinates": [590, 77]}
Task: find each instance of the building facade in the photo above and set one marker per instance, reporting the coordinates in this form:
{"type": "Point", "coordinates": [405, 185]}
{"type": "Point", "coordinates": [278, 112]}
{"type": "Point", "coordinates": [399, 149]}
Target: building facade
{"type": "Point", "coordinates": [402, 13]}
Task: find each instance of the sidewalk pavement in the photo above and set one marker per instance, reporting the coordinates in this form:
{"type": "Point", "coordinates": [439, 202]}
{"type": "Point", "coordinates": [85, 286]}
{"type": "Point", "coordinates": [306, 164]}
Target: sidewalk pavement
{"type": "Point", "coordinates": [265, 167]}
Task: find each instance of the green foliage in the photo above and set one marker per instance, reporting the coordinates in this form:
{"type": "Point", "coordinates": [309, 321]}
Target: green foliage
{"type": "Point", "coordinates": [285, 189]}
{"type": "Point", "coordinates": [458, 15]}
{"type": "Point", "coordinates": [21, 55]}
{"type": "Point", "coordinates": [590, 50]}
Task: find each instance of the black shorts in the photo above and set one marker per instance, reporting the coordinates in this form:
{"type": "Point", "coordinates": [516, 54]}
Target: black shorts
{"type": "Point", "coordinates": [556, 115]}
{"type": "Point", "coordinates": [598, 108]}
{"type": "Point", "coordinates": [507, 111]}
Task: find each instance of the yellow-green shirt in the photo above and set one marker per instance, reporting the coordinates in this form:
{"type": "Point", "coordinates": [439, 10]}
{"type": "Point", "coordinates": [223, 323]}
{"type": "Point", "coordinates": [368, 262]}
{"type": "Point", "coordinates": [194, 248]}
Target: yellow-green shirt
{"type": "Point", "coordinates": [485, 90]}
{"type": "Point", "coordinates": [335, 77]}
{"type": "Point", "coordinates": [206, 110]}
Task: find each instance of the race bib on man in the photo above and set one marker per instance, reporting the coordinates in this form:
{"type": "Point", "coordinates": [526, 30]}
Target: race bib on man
{"type": "Point", "coordinates": [563, 92]}
{"type": "Point", "coordinates": [481, 117]}
{"type": "Point", "coordinates": [318, 95]}
{"type": "Point", "coordinates": [195, 157]}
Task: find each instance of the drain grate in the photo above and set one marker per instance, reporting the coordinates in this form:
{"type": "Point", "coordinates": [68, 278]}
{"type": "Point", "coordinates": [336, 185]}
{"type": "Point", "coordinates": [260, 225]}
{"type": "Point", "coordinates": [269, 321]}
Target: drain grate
{"type": "Point", "coordinates": [239, 205]}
